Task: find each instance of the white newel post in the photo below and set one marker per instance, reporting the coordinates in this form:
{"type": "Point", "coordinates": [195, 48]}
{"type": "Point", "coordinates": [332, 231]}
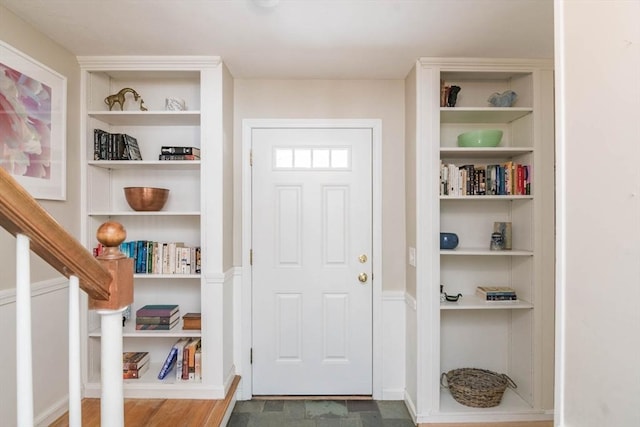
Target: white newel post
{"type": "Point", "coordinates": [24, 378]}
{"type": "Point", "coordinates": [112, 397]}
{"type": "Point", "coordinates": [75, 391]}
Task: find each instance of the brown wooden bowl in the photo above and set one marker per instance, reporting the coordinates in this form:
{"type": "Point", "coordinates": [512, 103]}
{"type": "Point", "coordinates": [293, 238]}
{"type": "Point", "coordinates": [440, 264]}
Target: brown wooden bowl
{"type": "Point", "coordinates": [146, 198]}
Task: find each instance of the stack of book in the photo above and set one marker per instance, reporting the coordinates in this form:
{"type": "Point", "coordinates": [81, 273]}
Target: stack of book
{"type": "Point", "coordinates": [496, 293]}
{"type": "Point", "coordinates": [172, 152]}
{"type": "Point", "coordinates": [157, 317]}
{"type": "Point", "coordinates": [186, 357]}
{"type": "Point", "coordinates": [191, 321]}
{"type": "Point", "coordinates": [114, 146]}
{"type": "Point", "coordinates": [134, 364]}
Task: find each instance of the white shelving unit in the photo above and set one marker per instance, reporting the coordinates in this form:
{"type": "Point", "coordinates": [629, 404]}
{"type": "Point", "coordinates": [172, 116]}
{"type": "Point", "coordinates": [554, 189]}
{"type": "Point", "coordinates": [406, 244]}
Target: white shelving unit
{"type": "Point", "coordinates": [182, 218]}
{"type": "Point", "coordinates": [504, 336]}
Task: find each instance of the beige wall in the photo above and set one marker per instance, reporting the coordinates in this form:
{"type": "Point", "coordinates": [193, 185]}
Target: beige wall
{"type": "Point", "coordinates": [28, 40]}
{"type": "Point", "coordinates": [331, 99]}
{"type": "Point", "coordinates": [597, 55]}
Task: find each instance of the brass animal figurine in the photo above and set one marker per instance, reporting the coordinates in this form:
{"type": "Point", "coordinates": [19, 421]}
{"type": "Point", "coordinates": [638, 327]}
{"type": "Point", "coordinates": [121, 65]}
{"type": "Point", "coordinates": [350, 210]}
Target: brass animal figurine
{"type": "Point", "coordinates": [118, 98]}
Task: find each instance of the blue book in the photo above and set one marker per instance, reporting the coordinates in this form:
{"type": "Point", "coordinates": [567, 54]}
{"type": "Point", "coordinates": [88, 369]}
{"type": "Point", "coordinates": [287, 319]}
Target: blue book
{"type": "Point", "coordinates": [168, 363]}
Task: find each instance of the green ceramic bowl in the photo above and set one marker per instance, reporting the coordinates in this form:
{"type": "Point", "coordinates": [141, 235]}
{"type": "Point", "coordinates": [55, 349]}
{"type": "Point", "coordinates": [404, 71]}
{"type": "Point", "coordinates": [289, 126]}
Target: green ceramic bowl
{"type": "Point", "coordinates": [480, 138]}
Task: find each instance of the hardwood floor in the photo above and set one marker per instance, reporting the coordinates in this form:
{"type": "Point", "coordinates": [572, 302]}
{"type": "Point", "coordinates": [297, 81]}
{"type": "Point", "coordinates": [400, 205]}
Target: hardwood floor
{"type": "Point", "coordinates": [160, 412]}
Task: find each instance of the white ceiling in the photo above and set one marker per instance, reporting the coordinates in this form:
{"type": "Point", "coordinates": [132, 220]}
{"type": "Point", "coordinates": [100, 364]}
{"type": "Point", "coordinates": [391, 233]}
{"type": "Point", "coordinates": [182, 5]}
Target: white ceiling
{"type": "Point", "coordinates": [298, 38]}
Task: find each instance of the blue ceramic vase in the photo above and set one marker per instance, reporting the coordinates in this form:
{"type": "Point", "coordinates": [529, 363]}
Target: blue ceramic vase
{"type": "Point", "coordinates": [448, 240]}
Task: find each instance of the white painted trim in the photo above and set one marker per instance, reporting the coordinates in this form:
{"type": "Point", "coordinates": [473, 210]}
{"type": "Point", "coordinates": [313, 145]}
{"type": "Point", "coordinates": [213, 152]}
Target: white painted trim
{"type": "Point", "coordinates": [411, 302]}
{"type": "Point", "coordinates": [8, 296]}
{"type": "Point", "coordinates": [247, 127]}
{"type": "Point", "coordinates": [52, 413]}
{"type": "Point", "coordinates": [561, 213]}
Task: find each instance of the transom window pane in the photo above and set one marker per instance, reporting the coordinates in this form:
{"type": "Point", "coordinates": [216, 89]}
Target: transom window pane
{"type": "Point", "coordinates": [284, 157]}
{"type": "Point", "coordinates": [311, 158]}
{"type": "Point", "coordinates": [302, 158]}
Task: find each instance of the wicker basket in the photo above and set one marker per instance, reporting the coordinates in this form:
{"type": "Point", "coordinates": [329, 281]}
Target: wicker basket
{"type": "Point", "coordinates": [478, 388]}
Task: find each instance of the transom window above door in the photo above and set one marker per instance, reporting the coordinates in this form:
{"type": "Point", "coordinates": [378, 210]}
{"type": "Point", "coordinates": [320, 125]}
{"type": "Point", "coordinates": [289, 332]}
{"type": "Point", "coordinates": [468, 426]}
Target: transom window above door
{"type": "Point", "coordinates": [301, 158]}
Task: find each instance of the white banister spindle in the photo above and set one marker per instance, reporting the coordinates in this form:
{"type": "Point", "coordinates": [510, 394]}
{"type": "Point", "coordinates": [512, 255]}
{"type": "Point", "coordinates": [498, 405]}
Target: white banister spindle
{"type": "Point", "coordinates": [24, 378]}
{"type": "Point", "coordinates": [75, 391]}
{"type": "Point", "coordinates": [112, 397]}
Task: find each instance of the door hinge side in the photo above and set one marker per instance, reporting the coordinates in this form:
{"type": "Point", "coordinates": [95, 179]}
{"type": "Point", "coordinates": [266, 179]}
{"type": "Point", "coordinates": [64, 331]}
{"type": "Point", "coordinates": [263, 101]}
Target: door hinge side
{"type": "Point", "coordinates": [250, 256]}
{"type": "Point", "coordinates": [251, 157]}
{"type": "Point", "coordinates": [251, 356]}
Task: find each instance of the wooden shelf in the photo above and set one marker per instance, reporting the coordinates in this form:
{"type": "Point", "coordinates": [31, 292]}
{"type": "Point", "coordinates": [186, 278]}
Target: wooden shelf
{"type": "Point", "coordinates": [482, 115]}
{"type": "Point", "coordinates": [146, 164]}
{"type": "Point", "coordinates": [483, 152]}
{"type": "Point", "coordinates": [130, 331]}
{"type": "Point", "coordinates": [167, 276]}
{"type": "Point", "coordinates": [512, 404]}
{"type": "Point", "coordinates": [474, 302]}
{"type": "Point", "coordinates": [147, 118]}
{"type": "Point", "coordinates": [503, 198]}
{"type": "Point", "coordinates": [144, 213]}
{"type": "Point", "coordinates": [484, 252]}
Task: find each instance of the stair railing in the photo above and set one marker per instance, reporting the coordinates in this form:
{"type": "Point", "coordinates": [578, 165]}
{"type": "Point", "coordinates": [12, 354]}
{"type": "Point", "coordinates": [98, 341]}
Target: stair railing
{"type": "Point", "coordinates": [108, 281]}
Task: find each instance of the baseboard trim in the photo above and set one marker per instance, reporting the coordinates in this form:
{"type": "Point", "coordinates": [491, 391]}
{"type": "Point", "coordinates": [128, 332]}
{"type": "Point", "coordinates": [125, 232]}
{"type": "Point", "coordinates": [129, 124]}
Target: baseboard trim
{"type": "Point", "coordinates": [52, 413]}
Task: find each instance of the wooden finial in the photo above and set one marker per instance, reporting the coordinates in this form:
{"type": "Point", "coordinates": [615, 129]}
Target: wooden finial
{"type": "Point", "coordinates": [111, 234]}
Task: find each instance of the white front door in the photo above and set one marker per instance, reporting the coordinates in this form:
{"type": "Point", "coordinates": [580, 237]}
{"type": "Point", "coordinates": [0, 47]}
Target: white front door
{"type": "Point", "coordinates": [312, 266]}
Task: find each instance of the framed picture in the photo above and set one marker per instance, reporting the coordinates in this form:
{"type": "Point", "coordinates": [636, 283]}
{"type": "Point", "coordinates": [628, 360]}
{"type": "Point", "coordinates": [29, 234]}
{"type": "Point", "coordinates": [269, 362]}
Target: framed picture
{"type": "Point", "coordinates": [33, 117]}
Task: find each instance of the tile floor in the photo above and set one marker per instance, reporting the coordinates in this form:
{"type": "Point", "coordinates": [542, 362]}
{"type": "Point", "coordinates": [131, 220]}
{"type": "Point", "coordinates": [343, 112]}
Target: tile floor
{"type": "Point", "coordinates": [320, 413]}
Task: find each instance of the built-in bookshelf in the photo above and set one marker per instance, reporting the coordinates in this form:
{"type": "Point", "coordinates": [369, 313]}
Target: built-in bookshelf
{"type": "Point", "coordinates": [501, 336]}
{"type": "Point", "coordinates": [181, 219]}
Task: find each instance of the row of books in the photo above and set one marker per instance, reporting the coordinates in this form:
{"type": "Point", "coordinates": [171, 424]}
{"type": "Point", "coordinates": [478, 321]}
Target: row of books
{"type": "Point", "coordinates": [114, 146]}
{"type": "Point", "coordinates": [152, 257]}
{"type": "Point", "coordinates": [496, 293]}
{"type": "Point", "coordinates": [505, 179]}
{"type": "Point", "coordinates": [185, 357]}
{"type": "Point", "coordinates": [157, 317]}
{"type": "Point", "coordinates": [134, 364]}
{"type": "Point", "coordinates": [172, 152]}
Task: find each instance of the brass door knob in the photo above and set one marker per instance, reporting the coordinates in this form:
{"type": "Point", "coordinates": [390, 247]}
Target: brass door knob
{"type": "Point", "coordinates": [363, 277]}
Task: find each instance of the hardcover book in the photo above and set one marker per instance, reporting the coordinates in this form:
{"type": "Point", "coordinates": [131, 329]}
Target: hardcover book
{"type": "Point", "coordinates": [153, 310]}
{"type": "Point", "coordinates": [135, 373]}
{"type": "Point", "coordinates": [134, 359]}
{"type": "Point", "coordinates": [157, 320]}
{"type": "Point", "coordinates": [174, 149]}
{"type": "Point", "coordinates": [178, 157]}
{"type": "Point", "coordinates": [155, 327]}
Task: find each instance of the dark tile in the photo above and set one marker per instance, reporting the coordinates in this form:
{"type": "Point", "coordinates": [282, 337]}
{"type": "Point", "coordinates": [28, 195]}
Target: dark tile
{"type": "Point", "coordinates": [395, 409]}
{"type": "Point", "coordinates": [238, 419]}
{"type": "Point", "coordinates": [249, 406]}
{"type": "Point", "coordinates": [397, 423]}
{"type": "Point", "coordinates": [362, 406]}
{"type": "Point", "coordinates": [273, 406]}
{"type": "Point", "coordinates": [266, 419]}
{"type": "Point", "coordinates": [328, 422]}
{"type": "Point", "coordinates": [294, 409]}
{"type": "Point", "coordinates": [371, 419]}
{"type": "Point", "coordinates": [325, 409]}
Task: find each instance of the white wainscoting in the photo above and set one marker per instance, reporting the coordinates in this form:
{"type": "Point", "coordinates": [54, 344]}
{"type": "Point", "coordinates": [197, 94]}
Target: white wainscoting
{"type": "Point", "coordinates": [49, 307]}
{"type": "Point", "coordinates": [393, 345]}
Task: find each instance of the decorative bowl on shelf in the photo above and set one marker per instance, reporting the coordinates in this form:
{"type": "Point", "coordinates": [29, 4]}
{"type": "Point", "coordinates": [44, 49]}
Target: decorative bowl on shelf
{"type": "Point", "coordinates": [480, 138]}
{"type": "Point", "coordinates": [448, 240]}
{"type": "Point", "coordinates": [146, 198]}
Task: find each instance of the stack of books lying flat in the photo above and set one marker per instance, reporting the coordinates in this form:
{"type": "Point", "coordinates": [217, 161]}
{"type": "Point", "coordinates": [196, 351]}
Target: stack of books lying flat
{"type": "Point", "coordinates": [496, 293]}
{"type": "Point", "coordinates": [134, 364]}
{"type": "Point", "coordinates": [179, 153]}
{"type": "Point", "coordinates": [157, 316]}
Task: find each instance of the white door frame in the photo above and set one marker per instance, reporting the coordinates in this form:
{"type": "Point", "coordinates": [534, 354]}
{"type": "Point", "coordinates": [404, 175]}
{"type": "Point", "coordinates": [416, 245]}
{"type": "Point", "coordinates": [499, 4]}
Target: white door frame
{"type": "Point", "coordinates": [244, 368]}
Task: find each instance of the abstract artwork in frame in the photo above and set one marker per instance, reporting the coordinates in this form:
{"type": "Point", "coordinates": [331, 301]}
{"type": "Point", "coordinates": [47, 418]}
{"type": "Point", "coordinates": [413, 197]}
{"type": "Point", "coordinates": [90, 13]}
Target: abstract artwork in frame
{"type": "Point", "coordinates": [33, 103]}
